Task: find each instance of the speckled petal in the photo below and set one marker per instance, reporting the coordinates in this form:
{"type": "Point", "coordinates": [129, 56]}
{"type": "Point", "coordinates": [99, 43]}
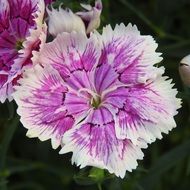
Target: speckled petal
{"type": "Point", "coordinates": [98, 146]}
{"type": "Point", "coordinates": [4, 14]}
{"type": "Point", "coordinates": [149, 110]}
{"type": "Point", "coordinates": [132, 54]}
{"type": "Point", "coordinates": [70, 52]}
{"type": "Point", "coordinates": [40, 97]}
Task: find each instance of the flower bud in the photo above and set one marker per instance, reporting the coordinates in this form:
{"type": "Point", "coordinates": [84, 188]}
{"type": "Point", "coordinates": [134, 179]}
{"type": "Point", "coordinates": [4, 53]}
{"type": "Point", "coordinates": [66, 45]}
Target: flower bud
{"type": "Point", "coordinates": [184, 70]}
{"type": "Point", "coordinates": [92, 16]}
{"type": "Point", "coordinates": [64, 21]}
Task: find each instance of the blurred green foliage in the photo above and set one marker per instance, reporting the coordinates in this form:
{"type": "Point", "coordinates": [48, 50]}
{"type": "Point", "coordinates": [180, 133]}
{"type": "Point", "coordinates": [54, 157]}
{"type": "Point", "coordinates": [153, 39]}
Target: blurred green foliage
{"type": "Point", "coordinates": [28, 164]}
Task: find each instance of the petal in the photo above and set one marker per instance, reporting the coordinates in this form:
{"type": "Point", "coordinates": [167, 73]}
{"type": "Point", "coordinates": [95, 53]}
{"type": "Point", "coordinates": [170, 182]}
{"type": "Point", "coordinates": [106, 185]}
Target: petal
{"type": "Point", "coordinates": [4, 14]}
{"type": "Point", "coordinates": [64, 21]}
{"type": "Point", "coordinates": [71, 52]}
{"type": "Point", "coordinates": [79, 80]}
{"type": "Point", "coordinates": [100, 116]}
{"type": "Point", "coordinates": [19, 28]}
{"type": "Point", "coordinates": [49, 1]}
{"type": "Point", "coordinates": [129, 52]}
{"type": "Point", "coordinates": [40, 99]}
{"type": "Point", "coordinates": [77, 99]}
{"type": "Point", "coordinates": [98, 146]}
{"type": "Point", "coordinates": [148, 111]}
{"type": "Point", "coordinates": [23, 9]}
{"type": "Point", "coordinates": [116, 98]}
{"type": "Point", "coordinates": [5, 90]}
{"type": "Point", "coordinates": [105, 77]}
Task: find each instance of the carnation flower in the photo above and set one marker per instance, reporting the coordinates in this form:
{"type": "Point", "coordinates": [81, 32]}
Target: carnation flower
{"type": "Point", "coordinates": [64, 20]}
{"type": "Point", "coordinates": [21, 32]}
{"type": "Point", "coordinates": [100, 97]}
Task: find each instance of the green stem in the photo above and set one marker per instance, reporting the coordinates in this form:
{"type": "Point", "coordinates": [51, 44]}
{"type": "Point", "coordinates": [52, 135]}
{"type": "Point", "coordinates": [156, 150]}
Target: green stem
{"type": "Point", "coordinates": [99, 186]}
{"type": "Point", "coordinates": [5, 146]}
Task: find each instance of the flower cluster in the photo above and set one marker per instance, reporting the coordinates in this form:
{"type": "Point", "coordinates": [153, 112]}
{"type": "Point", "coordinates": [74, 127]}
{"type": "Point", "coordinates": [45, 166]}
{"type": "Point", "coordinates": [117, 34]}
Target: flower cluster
{"type": "Point", "coordinates": [99, 96]}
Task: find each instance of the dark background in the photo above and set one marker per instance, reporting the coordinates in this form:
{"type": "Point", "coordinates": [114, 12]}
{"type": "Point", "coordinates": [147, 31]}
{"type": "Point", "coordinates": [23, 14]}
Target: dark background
{"type": "Point", "coordinates": [28, 164]}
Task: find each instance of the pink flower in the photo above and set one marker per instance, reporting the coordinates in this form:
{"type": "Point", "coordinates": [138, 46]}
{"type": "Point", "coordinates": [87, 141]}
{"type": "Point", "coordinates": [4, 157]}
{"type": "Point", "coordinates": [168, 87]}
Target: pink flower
{"type": "Point", "coordinates": [100, 97]}
{"type": "Point", "coordinates": [21, 32]}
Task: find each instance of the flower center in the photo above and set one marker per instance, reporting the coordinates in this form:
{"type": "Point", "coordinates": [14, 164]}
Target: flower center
{"type": "Point", "coordinates": [19, 45]}
{"type": "Point", "coordinates": [95, 102]}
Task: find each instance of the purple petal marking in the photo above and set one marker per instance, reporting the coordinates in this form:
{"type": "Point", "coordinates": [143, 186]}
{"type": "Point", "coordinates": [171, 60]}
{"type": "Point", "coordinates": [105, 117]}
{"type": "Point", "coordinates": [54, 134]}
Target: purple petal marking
{"type": "Point", "coordinates": [116, 98]}
{"type": "Point", "coordinates": [40, 97]}
{"type": "Point", "coordinates": [20, 28]}
{"type": "Point", "coordinates": [148, 111]}
{"type": "Point", "coordinates": [105, 77]}
{"type": "Point", "coordinates": [23, 9]}
{"type": "Point", "coordinates": [81, 79]}
{"type": "Point", "coordinates": [77, 99]}
{"type": "Point", "coordinates": [91, 55]}
{"type": "Point", "coordinates": [128, 51]}
{"type": "Point", "coordinates": [100, 116]}
{"type": "Point", "coordinates": [49, 1]}
{"type": "Point", "coordinates": [76, 105]}
{"type": "Point", "coordinates": [98, 146]}
{"type": "Point", "coordinates": [4, 14]}
{"type": "Point", "coordinates": [71, 52]}
{"type": "Point", "coordinates": [7, 42]}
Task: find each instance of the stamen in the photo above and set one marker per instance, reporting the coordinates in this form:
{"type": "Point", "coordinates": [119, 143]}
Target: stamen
{"type": "Point", "coordinates": [96, 99]}
{"type": "Point", "coordinates": [92, 93]}
{"type": "Point", "coordinates": [19, 45]}
{"type": "Point", "coordinates": [95, 102]}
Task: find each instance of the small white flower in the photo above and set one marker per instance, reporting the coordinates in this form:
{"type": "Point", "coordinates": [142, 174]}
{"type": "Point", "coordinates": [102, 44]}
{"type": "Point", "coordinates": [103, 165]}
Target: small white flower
{"type": "Point", "coordinates": [184, 70]}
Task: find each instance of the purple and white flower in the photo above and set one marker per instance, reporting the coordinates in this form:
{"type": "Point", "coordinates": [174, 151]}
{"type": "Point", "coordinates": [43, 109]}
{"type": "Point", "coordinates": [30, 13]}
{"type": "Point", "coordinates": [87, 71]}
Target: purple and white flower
{"type": "Point", "coordinates": [21, 32]}
{"type": "Point", "coordinates": [101, 97]}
